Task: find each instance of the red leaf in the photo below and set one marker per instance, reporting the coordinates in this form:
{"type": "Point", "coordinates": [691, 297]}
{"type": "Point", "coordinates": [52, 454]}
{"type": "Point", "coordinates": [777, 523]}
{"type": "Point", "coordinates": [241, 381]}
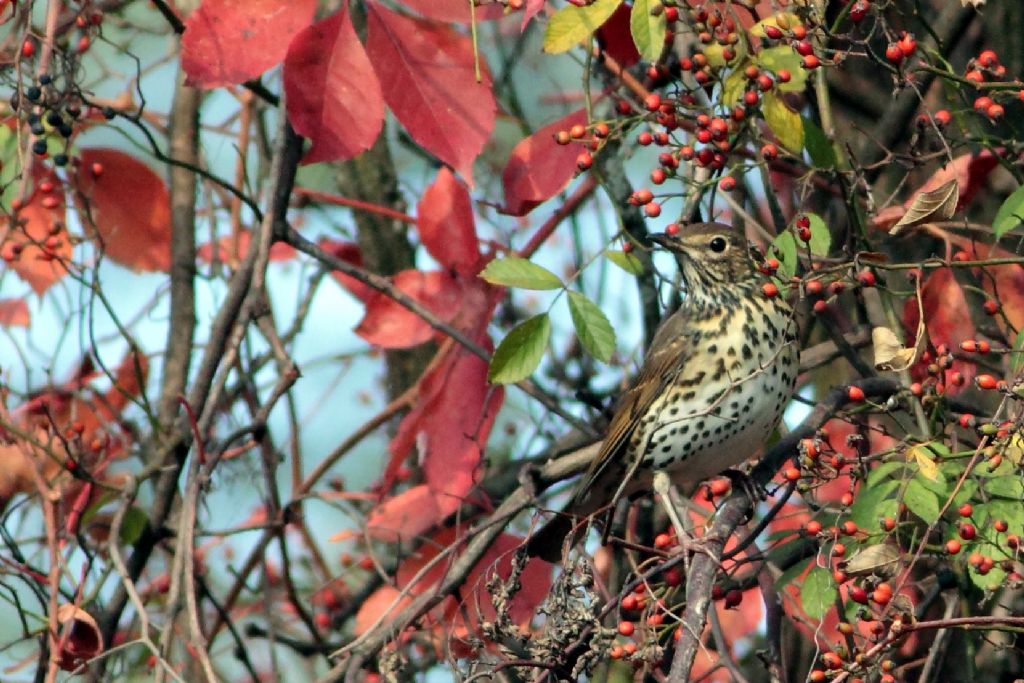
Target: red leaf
{"type": "Point", "coordinates": [404, 516]}
{"type": "Point", "coordinates": [128, 207]}
{"type": "Point", "coordinates": [229, 250]}
{"type": "Point", "coordinates": [14, 313]}
{"type": "Point", "coordinates": [457, 11]}
{"type": "Point", "coordinates": [427, 73]}
{"type": "Point", "coordinates": [456, 619]}
{"type": "Point", "coordinates": [530, 10]}
{"type": "Point", "coordinates": [449, 425]}
{"type": "Point", "coordinates": [348, 251]}
{"type": "Point", "coordinates": [38, 237]}
{"type": "Point", "coordinates": [615, 37]}
{"type": "Point", "coordinates": [539, 167]}
{"type": "Point", "coordinates": [947, 320]}
{"type": "Point", "coordinates": [332, 94]}
{"type": "Point", "coordinates": [1004, 283]}
{"type": "Point", "coordinates": [447, 228]}
{"type": "Point", "coordinates": [228, 41]}
{"type": "Point", "coordinates": [389, 324]}
{"type": "Point", "coordinates": [970, 172]}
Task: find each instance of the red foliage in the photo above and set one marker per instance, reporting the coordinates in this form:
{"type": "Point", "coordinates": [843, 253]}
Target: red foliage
{"type": "Point", "coordinates": [229, 250]}
{"type": "Point", "coordinates": [457, 618]}
{"type": "Point", "coordinates": [426, 71]}
{"type": "Point", "coordinates": [616, 39]}
{"type": "Point", "coordinates": [446, 225]}
{"type": "Point", "coordinates": [449, 426]}
{"type": "Point", "coordinates": [456, 11]}
{"type": "Point", "coordinates": [332, 94]}
{"type": "Point", "coordinates": [947, 319]}
{"type": "Point", "coordinates": [14, 313]}
{"type": "Point", "coordinates": [539, 167]}
{"type": "Point", "coordinates": [1003, 283]}
{"type": "Point", "coordinates": [389, 324]}
{"type": "Point", "coordinates": [228, 42]}
{"type": "Point", "coordinates": [128, 208]}
{"type": "Point", "coordinates": [39, 234]}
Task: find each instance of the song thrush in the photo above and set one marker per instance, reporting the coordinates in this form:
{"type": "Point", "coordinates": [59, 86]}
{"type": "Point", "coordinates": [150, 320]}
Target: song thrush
{"type": "Point", "coordinates": [712, 386]}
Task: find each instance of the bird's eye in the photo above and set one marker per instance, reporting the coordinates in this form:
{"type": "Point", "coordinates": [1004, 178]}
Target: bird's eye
{"type": "Point", "coordinates": [718, 244]}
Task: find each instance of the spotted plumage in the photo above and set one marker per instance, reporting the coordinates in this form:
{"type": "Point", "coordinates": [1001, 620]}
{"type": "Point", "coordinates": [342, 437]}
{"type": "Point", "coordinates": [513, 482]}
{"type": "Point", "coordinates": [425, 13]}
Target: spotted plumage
{"type": "Point", "coordinates": [712, 386]}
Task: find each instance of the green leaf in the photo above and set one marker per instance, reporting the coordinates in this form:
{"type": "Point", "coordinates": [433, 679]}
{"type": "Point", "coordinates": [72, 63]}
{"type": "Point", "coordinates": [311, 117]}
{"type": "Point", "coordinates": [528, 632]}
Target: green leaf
{"type": "Point", "coordinates": [784, 248]}
{"type": "Point", "coordinates": [865, 511]}
{"type": "Point", "coordinates": [921, 501]}
{"type": "Point", "coordinates": [133, 525]}
{"type": "Point", "coordinates": [592, 327]}
{"type": "Point", "coordinates": [648, 30]}
{"type": "Point", "coordinates": [1010, 214]}
{"type": "Point", "coordinates": [513, 271]}
{"type": "Point", "coordinates": [734, 86]}
{"type": "Point", "coordinates": [9, 167]}
{"type": "Point", "coordinates": [819, 147]}
{"type": "Point", "coordinates": [1017, 357]}
{"type": "Point", "coordinates": [787, 577]}
{"type": "Point", "coordinates": [1006, 487]}
{"type": "Point", "coordinates": [821, 238]}
{"type": "Point", "coordinates": [883, 471]}
{"type": "Point", "coordinates": [785, 57]}
{"type": "Point", "coordinates": [628, 262]}
{"type": "Point", "coordinates": [995, 578]}
{"type": "Point", "coordinates": [785, 123]}
{"type": "Point", "coordinates": [818, 594]}
{"type": "Point", "coordinates": [1010, 511]}
{"type": "Point", "coordinates": [571, 25]}
{"type": "Point", "coordinates": [519, 353]}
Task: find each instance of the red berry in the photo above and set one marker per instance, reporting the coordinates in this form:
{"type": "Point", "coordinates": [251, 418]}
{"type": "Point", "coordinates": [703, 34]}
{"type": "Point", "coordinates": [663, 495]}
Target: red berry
{"type": "Point", "coordinates": [968, 532]}
{"type": "Point", "coordinates": [720, 487]}
{"type": "Point", "coordinates": [783, 75]}
{"type": "Point", "coordinates": [858, 594]}
{"type": "Point", "coordinates": [942, 118]}
{"type": "Point", "coordinates": [810, 62]}
{"type": "Point", "coordinates": [584, 161]}
{"type": "Point", "coordinates": [984, 346]}
{"type": "Point", "coordinates": [953, 546]}
{"type": "Point", "coordinates": [770, 152]}
{"type": "Point", "coordinates": [814, 287]}
{"type": "Point", "coordinates": [866, 278]}
{"type": "Point", "coordinates": [773, 32]}
{"type": "Point", "coordinates": [770, 290]}
{"type": "Point", "coordinates": [888, 524]}
{"type": "Point", "coordinates": [990, 306]}
{"type": "Point", "coordinates": [855, 394]}
{"type": "Point", "coordinates": [644, 138]}
{"type": "Point", "coordinates": [995, 112]}
{"type": "Point", "coordinates": [988, 59]}
{"type": "Point", "coordinates": [894, 54]}
{"type": "Point", "coordinates": [652, 102]}
{"type": "Point", "coordinates": [965, 510]}
{"type": "Point", "coordinates": [750, 98]}
{"type": "Point", "coordinates": [983, 103]}
{"type": "Point", "coordinates": [626, 628]}
{"type": "Point", "coordinates": [658, 176]}
{"type": "Point", "coordinates": [727, 184]}
{"type": "Point", "coordinates": [907, 44]}
{"type": "Point", "coordinates": [859, 10]}
{"type": "Point", "coordinates": [1000, 525]}
{"type": "Point", "coordinates": [986, 382]}
{"type": "Point", "coordinates": [653, 210]}
{"type": "Point", "coordinates": [28, 48]}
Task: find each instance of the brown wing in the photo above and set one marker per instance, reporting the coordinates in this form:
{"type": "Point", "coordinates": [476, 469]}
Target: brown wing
{"type": "Point", "coordinates": [662, 362]}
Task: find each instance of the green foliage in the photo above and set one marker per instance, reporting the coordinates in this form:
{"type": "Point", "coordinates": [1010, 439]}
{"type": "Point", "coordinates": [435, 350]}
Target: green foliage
{"type": "Point", "coordinates": [520, 352]}
{"type": "Point", "coordinates": [513, 271]}
{"type": "Point", "coordinates": [592, 327]}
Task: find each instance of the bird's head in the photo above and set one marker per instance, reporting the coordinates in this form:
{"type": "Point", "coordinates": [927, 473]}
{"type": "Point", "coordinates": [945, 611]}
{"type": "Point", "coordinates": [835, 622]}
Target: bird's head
{"type": "Point", "coordinates": [710, 255]}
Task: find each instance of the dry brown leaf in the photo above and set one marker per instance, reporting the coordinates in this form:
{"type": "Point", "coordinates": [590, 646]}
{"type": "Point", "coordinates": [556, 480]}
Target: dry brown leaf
{"type": "Point", "coordinates": [80, 637]}
{"type": "Point", "coordinates": [938, 204]}
{"type": "Point", "coordinates": [881, 559]}
{"type": "Point", "coordinates": [890, 354]}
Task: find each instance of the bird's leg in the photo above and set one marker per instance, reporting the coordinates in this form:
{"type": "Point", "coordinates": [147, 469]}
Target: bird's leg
{"type": "Point", "coordinates": [670, 499]}
{"type": "Point", "coordinates": [754, 490]}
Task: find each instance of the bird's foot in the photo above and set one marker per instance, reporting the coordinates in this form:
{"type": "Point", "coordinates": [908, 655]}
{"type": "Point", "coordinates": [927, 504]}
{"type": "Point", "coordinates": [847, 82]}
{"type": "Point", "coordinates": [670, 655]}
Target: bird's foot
{"type": "Point", "coordinates": [743, 481]}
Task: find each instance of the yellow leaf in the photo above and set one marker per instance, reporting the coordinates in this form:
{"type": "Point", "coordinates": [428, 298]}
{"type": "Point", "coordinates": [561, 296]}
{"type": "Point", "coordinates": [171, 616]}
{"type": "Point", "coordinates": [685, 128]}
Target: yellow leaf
{"type": "Point", "coordinates": [926, 466]}
{"type": "Point", "coordinates": [785, 123]}
{"type": "Point", "coordinates": [648, 29]}
{"type": "Point", "coordinates": [571, 25]}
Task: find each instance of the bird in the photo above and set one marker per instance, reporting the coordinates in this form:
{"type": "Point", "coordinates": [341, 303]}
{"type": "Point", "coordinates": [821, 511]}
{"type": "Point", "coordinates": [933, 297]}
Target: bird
{"type": "Point", "coordinates": [711, 388]}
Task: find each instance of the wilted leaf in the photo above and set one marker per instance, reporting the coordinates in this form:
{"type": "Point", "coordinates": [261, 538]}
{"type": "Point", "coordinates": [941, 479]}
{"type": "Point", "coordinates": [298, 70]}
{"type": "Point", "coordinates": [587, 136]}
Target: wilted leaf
{"type": "Point", "coordinates": [937, 204]}
{"type": "Point", "coordinates": [428, 76]}
{"type": "Point", "coordinates": [520, 351]}
{"type": "Point", "coordinates": [513, 271]}
{"type": "Point", "coordinates": [571, 25]}
{"type": "Point", "coordinates": [592, 327]}
{"type": "Point", "coordinates": [881, 559]}
{"type": "Point", "coordinates": [786, 124]}
{"type": "Point", "coordinates": [228, 42]}
{"type": "Point", "coordinates": [539, 167]}
{"type": "Point", "coordinates": [1010, 214]}
{"type": "Point", "coordinates": [648, 29]}
{"type": "Point", "coordinates": [628, 262]}
{"type": "Point", "coordinates": [890, 354]}
{"type": "Point", "coordinates": [80, 636]}
{"type": "Point", "coordinates": [926, 466]}
{"type": "Point", "coordinates": [818, 593]}
{"type": "Point", "coordinates": [332, 94]}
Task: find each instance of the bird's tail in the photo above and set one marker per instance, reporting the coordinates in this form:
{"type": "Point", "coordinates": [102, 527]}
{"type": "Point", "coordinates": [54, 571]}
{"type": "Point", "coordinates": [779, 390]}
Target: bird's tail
{"type": "Point", "coordinates": [547, 543]}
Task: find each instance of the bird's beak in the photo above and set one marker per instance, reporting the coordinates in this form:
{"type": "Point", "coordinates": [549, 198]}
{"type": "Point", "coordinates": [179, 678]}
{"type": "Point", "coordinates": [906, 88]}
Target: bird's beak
{"type": "Point", "coordinates": [663, 239]}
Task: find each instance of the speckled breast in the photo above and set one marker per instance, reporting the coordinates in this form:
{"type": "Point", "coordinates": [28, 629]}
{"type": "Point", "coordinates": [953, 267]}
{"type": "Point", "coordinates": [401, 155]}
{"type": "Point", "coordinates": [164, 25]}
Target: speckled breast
{"type": "Point", "coordinates": [726, 398]}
